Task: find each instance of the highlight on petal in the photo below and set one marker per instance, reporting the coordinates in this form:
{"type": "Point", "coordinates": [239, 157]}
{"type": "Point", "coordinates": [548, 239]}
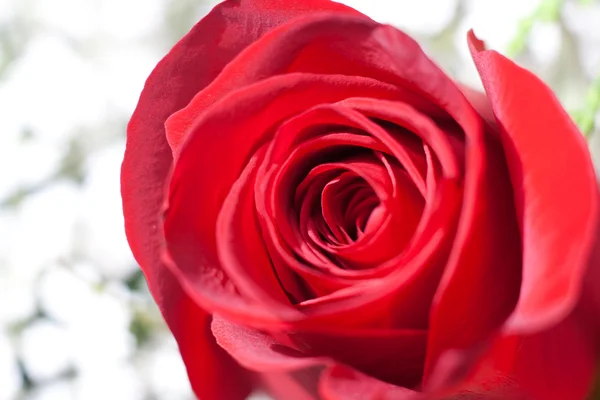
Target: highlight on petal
{"type": "Point", "coordinates": [555, 189]}
{"type": "Point", "coordinates": [258, 351]}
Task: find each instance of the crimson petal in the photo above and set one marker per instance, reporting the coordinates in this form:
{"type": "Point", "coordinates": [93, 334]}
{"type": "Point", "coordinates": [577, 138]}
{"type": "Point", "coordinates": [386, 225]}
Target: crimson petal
{"type": "Point", "coordinates": [544, 350]}
{"type": "Point", "coordinates": [556, 193]}
{"type": "Point", "coordinates": [258, 351]}
{"type": "Point", "coordinates": [343, 383]}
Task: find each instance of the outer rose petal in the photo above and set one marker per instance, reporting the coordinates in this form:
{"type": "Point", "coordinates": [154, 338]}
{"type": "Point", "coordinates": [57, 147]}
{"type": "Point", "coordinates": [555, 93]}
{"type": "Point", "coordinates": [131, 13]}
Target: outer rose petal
{"type": "Point", "coordinates": [316, 44]}
{"type": "Point", "coordinates": [545, 350]}
{"type": "Point", "coordinates": [555, 189]}
{"type": "Point", "coordinates": [186, 70]}
{"type": "Point", "coordinates": [251, 20]}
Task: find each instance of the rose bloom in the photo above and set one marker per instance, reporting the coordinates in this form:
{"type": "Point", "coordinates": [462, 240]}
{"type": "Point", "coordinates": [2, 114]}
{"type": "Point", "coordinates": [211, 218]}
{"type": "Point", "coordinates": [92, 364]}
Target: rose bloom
{"type": "Point", "coordinates": [322, 213]}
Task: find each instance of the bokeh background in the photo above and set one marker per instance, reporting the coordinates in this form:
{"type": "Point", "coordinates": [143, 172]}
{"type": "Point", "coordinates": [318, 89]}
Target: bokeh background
{"type": "Point", "coordinates": [76, 319]}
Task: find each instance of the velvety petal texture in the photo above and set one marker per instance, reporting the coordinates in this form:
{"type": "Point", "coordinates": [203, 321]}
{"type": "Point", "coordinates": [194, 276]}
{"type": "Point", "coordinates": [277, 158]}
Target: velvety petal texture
{"type": "Point", "coordinates": [322, 213]}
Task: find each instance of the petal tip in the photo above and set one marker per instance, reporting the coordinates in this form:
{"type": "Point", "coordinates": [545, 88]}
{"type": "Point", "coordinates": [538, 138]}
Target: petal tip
{"type": "Point", "coordinates": [476, 45]}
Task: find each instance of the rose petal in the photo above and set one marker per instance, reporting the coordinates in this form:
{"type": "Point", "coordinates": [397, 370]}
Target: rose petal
{"type": "Point", "coordinates": [294, 385]}
{"type": "Point", "coordinates": [480, 286]}
{"type": "Point", "coordinates": [556, 364]}
{"type": "Point", "coordinates": [405, 116]}
{"type": "Point", "coordinates": [258, 351]}
{"type": "Point", "coordinates": [241, 250]}
{"type": "Point", "coordinates": [392, 355]}
{"type": "Point", "coordinates": [544, 350]}
{"type": "Point", "coordinates": [223, 34]}
{"type": "Point", "coordinates": [261, 352]}
{"type": "Point", "coordinates": [206, 363]}
{"type": "Point", "coordinates": [323, 44]}
{"type": "Point", "coordinates": [401, 144]}
{"type": "Point", "coordinates": [556, 194]}
{"type": "Point", "coordinates": [343, 383]}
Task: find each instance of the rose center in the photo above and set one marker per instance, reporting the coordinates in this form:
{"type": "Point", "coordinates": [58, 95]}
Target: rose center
{"type": "Point", "coordinates": [346, 210]}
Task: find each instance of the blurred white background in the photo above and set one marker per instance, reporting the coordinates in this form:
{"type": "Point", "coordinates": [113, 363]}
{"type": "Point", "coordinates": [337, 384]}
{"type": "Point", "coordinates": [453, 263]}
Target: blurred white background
{"type": "Point", "coordinates": [76, 321]}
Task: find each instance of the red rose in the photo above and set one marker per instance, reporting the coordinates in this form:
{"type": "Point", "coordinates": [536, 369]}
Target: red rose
{"type": "Point", "coordinates": [341, 220]}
